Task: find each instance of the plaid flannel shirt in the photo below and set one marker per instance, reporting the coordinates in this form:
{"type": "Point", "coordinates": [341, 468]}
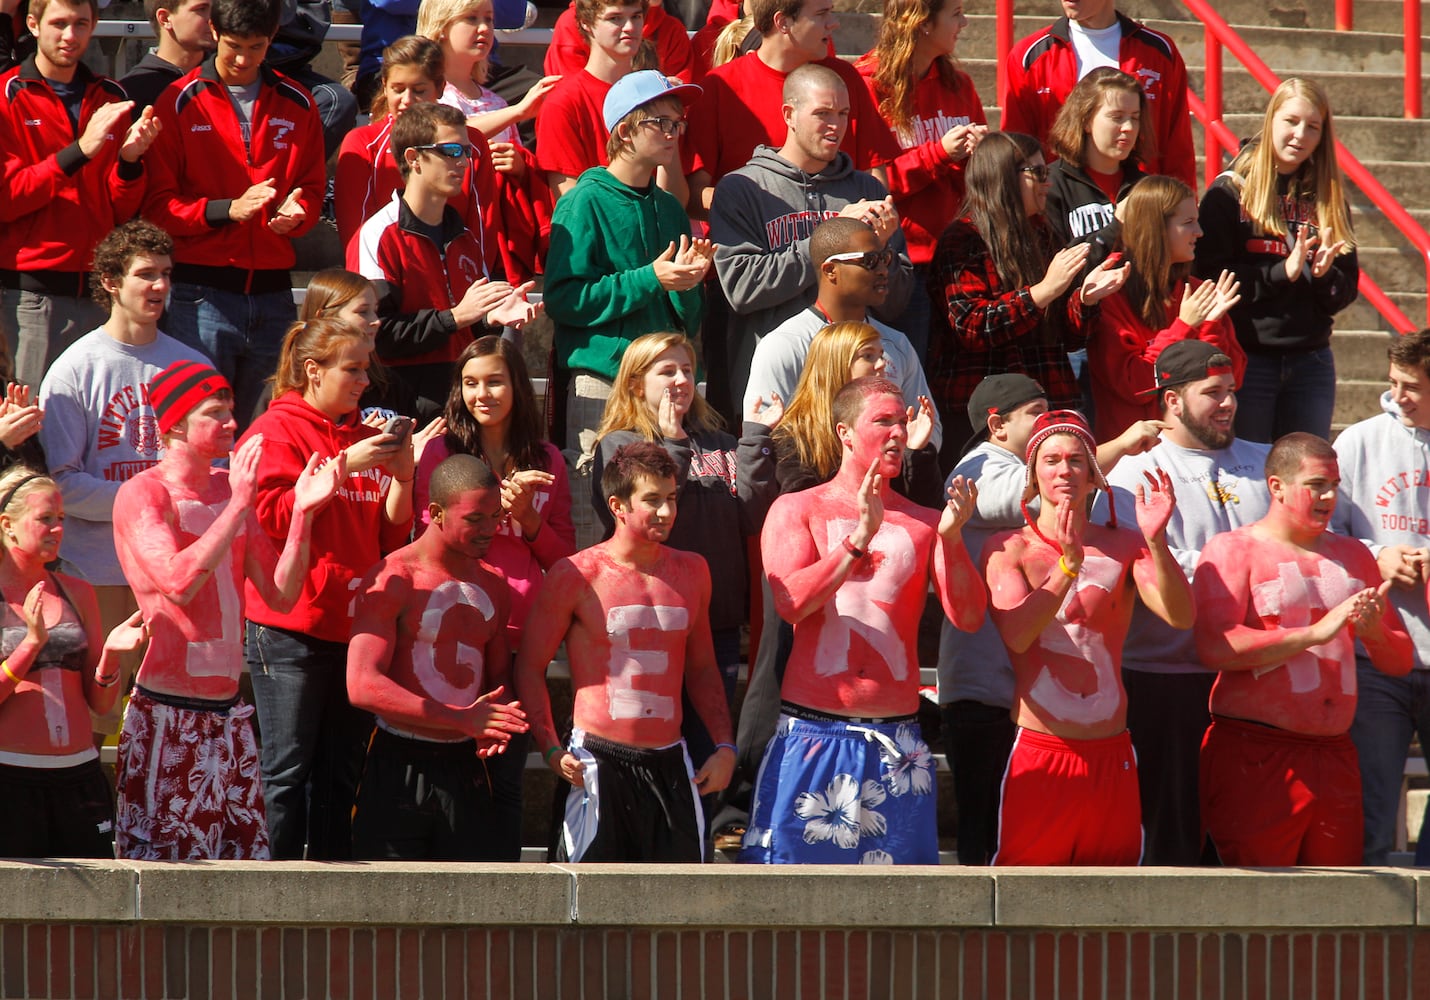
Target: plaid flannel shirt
{"type": "Point", "coordinates": [987, 329]}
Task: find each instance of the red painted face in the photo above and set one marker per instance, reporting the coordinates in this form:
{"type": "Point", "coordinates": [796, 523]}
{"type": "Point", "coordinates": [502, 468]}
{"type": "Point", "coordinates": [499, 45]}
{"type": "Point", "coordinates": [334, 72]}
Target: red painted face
{"type": "Point", "coordinates": [879, 433]}
{"type": "Point", "coordinates": [209, 427]}
{"type": "Point", "coordinates": [1062, 469]}
{"type": "Point", "coordinates": [1310, 495]}
{"type": "Point", "coordinates": [650, 512]}
{"type": "Point", "coordinates": [470, 522]}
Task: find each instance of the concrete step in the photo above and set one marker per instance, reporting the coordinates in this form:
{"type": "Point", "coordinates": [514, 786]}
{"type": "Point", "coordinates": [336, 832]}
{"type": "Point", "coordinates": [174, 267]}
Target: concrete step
{"type": "Point", "coordinates": [1356, 399]}
{"type": "Point", "coordinates": [1370, 94]}
{"type": "Point", "coordinates": [1359, 315]}
{"type": "Point", "coordinates": [1360, 354]}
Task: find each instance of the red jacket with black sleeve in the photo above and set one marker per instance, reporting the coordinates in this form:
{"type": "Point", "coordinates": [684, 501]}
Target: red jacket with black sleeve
{"type": "Point", "coordinates": [58, 203]}
{"type": "Point", "coordinates": [418, 282]}
{"type": "Point", "coordinates": [199, 165]}
{"type": "Point", "coordinates": [1042, 71]}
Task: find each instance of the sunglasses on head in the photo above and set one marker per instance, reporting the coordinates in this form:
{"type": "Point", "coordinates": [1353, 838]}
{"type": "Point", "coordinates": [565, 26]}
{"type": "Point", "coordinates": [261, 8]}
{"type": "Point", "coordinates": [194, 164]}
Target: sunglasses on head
{"type": "Point", "coordinates": [1038, 171]}
{"type": "Point", "coordinates": [869, 260]}
{"type": "Point", "coordinates": [451, 150]}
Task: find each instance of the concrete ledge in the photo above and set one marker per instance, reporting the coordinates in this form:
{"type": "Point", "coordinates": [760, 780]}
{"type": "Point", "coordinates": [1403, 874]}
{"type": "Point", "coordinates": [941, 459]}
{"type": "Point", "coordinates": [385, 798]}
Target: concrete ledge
{"type": "Point", "coordinates": [68, 891]}
{"type": "Point", "coordinates": [297, 894]}
{"type": "Point", "coordinates": [387, 893]}
{"type": "Point", "coordinates": [758, 896]}
{"type": "Point", "coordinates": [1214, 899]}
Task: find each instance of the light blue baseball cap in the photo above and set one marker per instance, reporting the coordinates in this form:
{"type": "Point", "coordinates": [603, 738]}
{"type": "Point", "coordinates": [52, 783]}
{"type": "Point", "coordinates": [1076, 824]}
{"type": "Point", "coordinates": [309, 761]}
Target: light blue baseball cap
{"type": "Point", "coordinates": [641, 87]}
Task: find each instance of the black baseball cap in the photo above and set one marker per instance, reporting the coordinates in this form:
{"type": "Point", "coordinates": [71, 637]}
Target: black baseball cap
{"type": "Point", "coordinates": [1000, 394]}
{"type": "Point", "coordinates": [1188, 361]}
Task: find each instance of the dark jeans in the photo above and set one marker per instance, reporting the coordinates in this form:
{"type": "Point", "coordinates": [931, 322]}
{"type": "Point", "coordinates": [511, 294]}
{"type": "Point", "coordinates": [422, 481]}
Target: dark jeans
{"type": "Point", "coordinates": [1389, 710]}
{"type": "Point", "coordinates": [1167, 716]}
{"type": "Point", "coordinates": [313, 742]}
{"type": "Point", "coordinates": [1282, 393]}
{"type": "Point", "coordinates": [913, 322]}
{"type": "Point", "coordinates": [241, 334]}
{"type": "Point", "coordinates": [697, 738]}
{"type": "Point", "coordinates": [977, 740]}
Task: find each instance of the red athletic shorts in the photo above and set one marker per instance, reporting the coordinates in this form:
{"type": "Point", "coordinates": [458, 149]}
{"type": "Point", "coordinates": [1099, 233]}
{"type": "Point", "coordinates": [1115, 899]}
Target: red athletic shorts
{"type": "Point", "coordinates": [1070, 802]}
{"type": "Point", "coordinates": [1273, 798]}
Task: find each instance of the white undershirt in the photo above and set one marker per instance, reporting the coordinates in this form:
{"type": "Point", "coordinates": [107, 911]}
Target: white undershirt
{"type": "Point", "coordinates": [1095, 48]}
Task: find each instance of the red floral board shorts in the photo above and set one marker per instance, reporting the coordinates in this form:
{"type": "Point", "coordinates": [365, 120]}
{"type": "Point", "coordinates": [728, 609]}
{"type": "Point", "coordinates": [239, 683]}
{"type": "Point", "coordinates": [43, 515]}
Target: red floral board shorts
{"type": "Point", "coordinates": [188, 781]}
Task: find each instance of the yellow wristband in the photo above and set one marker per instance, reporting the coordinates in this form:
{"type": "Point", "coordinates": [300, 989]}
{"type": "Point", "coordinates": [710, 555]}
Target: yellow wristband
{"type": "Point", "coordinates": [1062, 565]}
{"type": "Point", "coordinates": [5, 666]}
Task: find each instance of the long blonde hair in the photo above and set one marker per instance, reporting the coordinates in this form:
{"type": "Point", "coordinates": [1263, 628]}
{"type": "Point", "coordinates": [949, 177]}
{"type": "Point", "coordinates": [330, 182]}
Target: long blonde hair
{"type": "Point", "coordinates": [1319, 177]}
{"type": "Point", "coordinates": [728, 42]}
{"type": "Point", "coordinates": [627, 409]}
{"type": "Point", "coordinates": [808, 423]}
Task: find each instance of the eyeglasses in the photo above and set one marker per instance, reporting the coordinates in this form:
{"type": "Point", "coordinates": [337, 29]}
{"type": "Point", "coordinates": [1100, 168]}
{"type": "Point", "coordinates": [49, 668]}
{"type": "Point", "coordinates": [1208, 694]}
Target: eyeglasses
{"type": "Point", "coordinates": [451, 150]}
{"type": "Point", "coordinates": [869, 260]}
{"type": "Point", "coordinates": [669, 127]}
{"type": "Point", "coordinates": [1038, 171]}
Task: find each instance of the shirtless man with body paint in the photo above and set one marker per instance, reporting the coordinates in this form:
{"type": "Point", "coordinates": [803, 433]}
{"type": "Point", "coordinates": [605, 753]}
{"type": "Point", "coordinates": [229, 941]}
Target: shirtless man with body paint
{"type": "Point", "coordinates": [1281, 603]}
{"type": "Point", "coordinates": [847, 778]}
{"type": "Point", "coordinates": [635, 617]}
{"type": "Point", "coordinates": [187, 538]}
{"type": "Point", "coordinates": [1061, 595]}
{"type": "Point", "coordinates": [429, 659]}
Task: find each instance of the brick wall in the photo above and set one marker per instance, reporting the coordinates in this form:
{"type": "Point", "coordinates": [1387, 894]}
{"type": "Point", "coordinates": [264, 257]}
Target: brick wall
{"type": "Point", "coordinates": [71, 929]}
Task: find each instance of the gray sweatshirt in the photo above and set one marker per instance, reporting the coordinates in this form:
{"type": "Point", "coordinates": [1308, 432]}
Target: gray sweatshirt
{"type": "Point", "coordinates": [99, 431]}
{"type": "Point", "coordinates": [760, 220]}
{"type": "Point", "coordinates": [1216, 491]}
{"type": "Point", "coordinates": [1385, 500]}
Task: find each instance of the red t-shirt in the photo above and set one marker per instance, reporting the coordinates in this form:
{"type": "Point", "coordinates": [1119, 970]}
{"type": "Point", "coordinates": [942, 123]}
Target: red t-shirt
{"type": "Point", "coordinates": [569, 49]}
{"type": "Point", "coordinates": [742, 107]}
{"type": "Point", "coordinates": [571, 129]}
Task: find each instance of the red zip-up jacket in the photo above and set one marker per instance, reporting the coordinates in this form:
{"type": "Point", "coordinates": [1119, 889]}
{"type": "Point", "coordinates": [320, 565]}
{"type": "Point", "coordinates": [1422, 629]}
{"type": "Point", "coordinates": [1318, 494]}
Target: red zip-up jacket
{"type": "Point", "coordinates": [198, 165]}
{"type": "Point", "coordinates": [57, 203]}
{"type": "Point", "coordinates": [418, 282]}
{"type": "Point", "coordinates": [350, 534]}
{"type": "Point", "coordinates": [1042, 71]}
{"type": "Point", "coordinates": [926, 185]}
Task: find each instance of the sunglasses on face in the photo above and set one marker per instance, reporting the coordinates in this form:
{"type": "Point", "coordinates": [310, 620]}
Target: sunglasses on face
{"type": "Point", "coordinates": [1038, 171]}
{"type": "Point", "coordinates": [869, 260]}
{"type": "Point", "coordinates": [669, 127]}
{"type": "Point", "coordinates": [451, 150]}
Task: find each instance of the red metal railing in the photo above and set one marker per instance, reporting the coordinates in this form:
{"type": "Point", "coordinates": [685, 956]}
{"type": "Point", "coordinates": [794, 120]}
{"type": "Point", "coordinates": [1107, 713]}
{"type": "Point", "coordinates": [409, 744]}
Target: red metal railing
{"type": "Point", "coordinates": [1345, 21]}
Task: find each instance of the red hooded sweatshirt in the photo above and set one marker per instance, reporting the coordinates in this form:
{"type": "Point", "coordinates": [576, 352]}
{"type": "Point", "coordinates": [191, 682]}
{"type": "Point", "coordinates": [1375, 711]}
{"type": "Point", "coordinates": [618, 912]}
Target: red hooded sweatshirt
{"type": "Point", "coordinates": [350, 534]}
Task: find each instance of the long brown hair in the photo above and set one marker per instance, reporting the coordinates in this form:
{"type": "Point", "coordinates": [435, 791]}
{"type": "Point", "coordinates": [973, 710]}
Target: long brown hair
{"type": "Point", "coordinates": [994, 203]}
{"type": "Point", "coordinates": [894, 78]}
{"type": "Point", "coordinates": [627, 410]}
{"type": "Point", "coordinates": [1068, 138]}
{"type": "Point", "coordinates": [808, 422]}
{"type": "Point", "coordinates": [329, 290]}
{"type": "Point", "coordinates": [523, 427]}
{"type": "Point", "coordinates": [1146, 212]}
{"type": "Point", "coordinates": [1319, 177]}
{"type": "Point", "coordinates": [410, 50]}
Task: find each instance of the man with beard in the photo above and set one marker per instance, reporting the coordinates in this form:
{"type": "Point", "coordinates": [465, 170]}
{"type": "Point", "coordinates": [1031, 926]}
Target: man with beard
{"type": "Point", "coordinates": [1219, 485]}
{"type": "Point", "coordinates": [847, 778]}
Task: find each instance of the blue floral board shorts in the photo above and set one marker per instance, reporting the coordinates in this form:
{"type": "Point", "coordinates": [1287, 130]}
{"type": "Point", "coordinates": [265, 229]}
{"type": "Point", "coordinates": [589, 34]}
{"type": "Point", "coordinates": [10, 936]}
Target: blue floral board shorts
{"type": "Point", "coordinates": [843, 793]}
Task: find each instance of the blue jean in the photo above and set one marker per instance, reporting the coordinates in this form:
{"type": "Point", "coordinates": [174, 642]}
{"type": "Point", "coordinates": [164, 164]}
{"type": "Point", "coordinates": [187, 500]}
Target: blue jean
{"type": "Point", "coordinates": [1281, 393]}
{"type": "Point", "coordinates": [313, 742]}
{"type": "Point", "coordinates": [242, 334]}
{"type": "Point", "coordinates": [697, 738]}
{"type": "Point", "coordinates": [1388, 711]}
